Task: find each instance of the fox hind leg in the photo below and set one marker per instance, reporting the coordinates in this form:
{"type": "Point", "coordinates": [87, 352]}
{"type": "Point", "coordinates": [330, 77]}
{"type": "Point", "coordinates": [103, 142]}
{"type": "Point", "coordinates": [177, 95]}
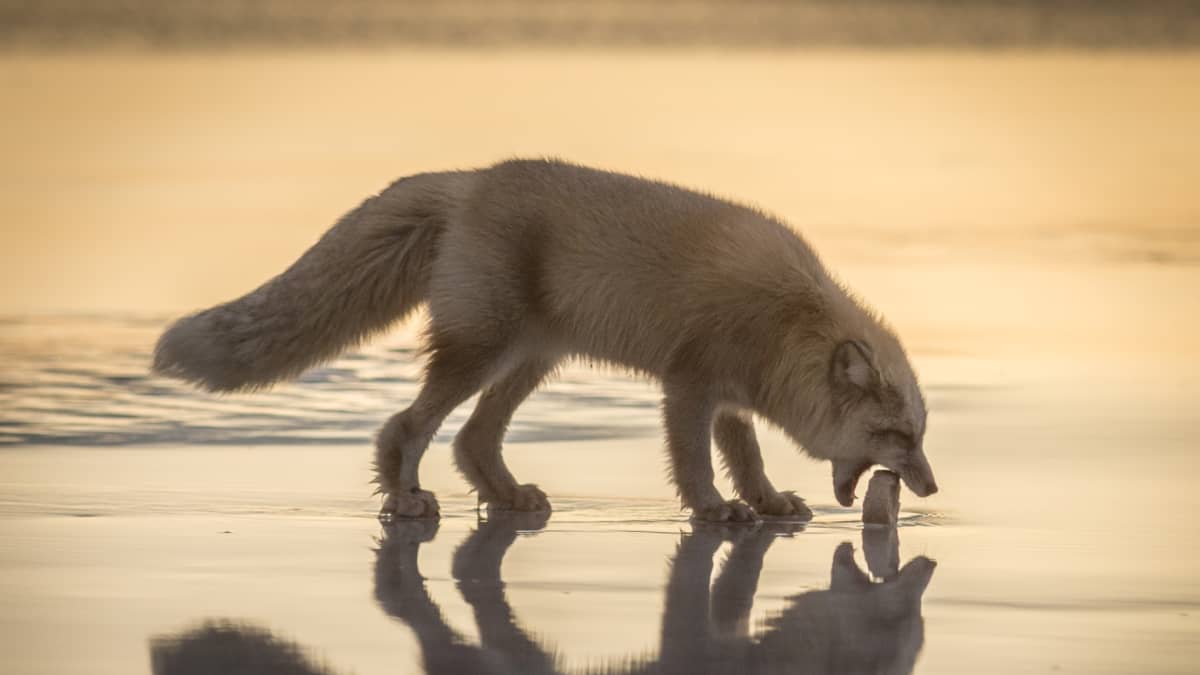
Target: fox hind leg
{"type": "Point", "coordinates": [742, 457]}
{"type": "Point", "coordinates": [477, 447]}
{"type": "Point", "coordinates": [456, 370]}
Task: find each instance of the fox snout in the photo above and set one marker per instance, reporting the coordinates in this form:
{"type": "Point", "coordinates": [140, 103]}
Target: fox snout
{"type": "Point", "coordinates": [918, 475]}
{"type": "Point", "coordinates": [922, 489]}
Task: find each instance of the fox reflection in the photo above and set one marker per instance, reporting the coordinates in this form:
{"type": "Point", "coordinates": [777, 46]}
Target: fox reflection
{"type": "Point", "coordinates": [400, 590]}
{"type": "Point", "coordinates": [855, 626]}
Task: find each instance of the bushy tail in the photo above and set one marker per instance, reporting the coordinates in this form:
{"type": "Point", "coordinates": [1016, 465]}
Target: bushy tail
{"type": "Point", "coordinates": [367, 272]}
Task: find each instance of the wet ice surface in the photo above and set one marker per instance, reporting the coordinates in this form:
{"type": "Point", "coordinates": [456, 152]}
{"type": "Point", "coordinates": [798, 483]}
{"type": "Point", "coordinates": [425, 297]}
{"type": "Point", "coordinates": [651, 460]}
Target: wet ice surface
{"type": "Point", "coordinates": [196, 582]}
{"type": "Point", "coordinates": [187, 554]}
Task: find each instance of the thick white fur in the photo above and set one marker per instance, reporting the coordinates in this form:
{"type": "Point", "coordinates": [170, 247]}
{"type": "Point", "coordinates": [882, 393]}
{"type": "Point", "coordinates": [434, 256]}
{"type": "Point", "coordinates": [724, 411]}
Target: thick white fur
{"type": "Point", "coordinates": [529, 262]}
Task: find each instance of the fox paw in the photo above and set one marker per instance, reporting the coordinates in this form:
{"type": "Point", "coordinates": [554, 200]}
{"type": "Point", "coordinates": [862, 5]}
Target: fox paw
{"type": "Point", "coordinates": [784, 505]}
{"type": "Point", "coordinates": [732, 511]}
{"type": "Point", "coordinates": [415, 504]}
{"type": "Point", "coordinates": [522, 498]}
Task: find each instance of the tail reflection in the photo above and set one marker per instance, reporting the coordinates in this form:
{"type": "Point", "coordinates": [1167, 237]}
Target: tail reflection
{"type": "Point", "coordinates": [229, 648]}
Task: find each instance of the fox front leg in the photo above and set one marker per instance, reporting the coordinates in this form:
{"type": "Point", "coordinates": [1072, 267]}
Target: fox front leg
{"type": "Point", "coordinates": [734, 434]}
{"type": "Point", "coordinates": [687, 415]}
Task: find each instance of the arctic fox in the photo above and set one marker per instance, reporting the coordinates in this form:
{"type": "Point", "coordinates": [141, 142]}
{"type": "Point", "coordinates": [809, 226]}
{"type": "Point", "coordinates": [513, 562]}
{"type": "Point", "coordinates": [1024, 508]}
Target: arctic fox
{"type": "Point", "coordinates": [530, 262]}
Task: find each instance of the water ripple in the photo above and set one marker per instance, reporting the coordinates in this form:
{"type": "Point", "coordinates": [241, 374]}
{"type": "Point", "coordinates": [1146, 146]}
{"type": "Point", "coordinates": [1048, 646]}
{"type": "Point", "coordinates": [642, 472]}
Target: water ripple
{"type": "Point", "coordinates": [85, 381]}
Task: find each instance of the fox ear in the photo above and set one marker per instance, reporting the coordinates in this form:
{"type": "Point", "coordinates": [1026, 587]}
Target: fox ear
{"type": "Point", "coordinates": [851, 366]}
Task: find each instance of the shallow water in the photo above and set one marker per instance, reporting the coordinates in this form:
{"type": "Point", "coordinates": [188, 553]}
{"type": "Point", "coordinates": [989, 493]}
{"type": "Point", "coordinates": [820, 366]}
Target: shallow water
{"type": "Point", "coordinates": [157, 521]}
{"type": "Point", "coordinates": [1035, 244]}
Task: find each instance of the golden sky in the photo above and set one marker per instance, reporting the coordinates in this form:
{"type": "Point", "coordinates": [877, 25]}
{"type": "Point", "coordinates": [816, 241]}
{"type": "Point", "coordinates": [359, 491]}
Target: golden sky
{"type": "Point", "coordinates": [1051, 184]}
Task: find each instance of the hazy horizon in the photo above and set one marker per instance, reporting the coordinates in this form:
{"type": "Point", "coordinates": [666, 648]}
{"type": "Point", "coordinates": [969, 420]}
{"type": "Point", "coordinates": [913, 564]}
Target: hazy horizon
{"type": "Point", "coordinates": [988, 24]}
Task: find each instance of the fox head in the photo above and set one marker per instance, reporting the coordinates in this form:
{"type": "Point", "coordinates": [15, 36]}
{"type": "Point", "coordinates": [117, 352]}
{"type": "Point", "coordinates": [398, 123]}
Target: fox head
{"type": "Point", "coordinates": [877, 417]}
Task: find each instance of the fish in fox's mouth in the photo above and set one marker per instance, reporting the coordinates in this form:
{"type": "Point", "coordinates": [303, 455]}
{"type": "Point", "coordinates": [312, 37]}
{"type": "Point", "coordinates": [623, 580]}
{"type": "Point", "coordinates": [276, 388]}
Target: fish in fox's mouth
{"type": "Point", "coordinates": [846, 476]}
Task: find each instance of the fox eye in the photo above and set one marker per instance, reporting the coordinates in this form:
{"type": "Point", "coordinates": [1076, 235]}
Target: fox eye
{"type": "Point", "coordinates": [901, 438]}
